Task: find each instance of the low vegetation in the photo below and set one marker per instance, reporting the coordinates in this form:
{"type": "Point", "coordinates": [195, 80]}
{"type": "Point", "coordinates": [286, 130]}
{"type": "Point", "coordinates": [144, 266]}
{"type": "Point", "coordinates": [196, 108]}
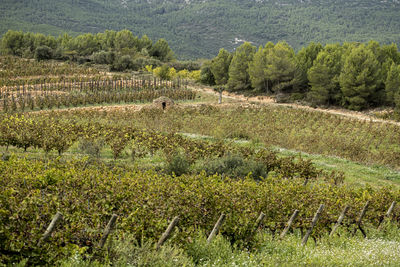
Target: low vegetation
{"type": "Point", "coordinates": [88, 194]}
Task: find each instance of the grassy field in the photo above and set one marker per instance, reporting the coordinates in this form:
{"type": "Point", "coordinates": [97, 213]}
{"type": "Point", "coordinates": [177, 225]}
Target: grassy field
{"type": "Point", "coordinates": [339, 251]}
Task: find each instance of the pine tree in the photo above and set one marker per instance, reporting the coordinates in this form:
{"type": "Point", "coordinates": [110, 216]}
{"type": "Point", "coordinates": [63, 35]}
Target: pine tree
{"type": "Point", "coordinates": [392, 84]}
{"type": "Point", "coordinates": [206, 75]}
{"type": "Point", "coordinates": [125, 41]}
{"type": "Point", "coordinates": [385, 60]}
{"type": "Point", "coordinates": [162, 51]}
{"type": "Point", "coordinates": [360, 78]}
{"type": "Point", "coordinates": [324, 76]}
{"type": "Point", "coordinates": [304, 61]}
{"type": "Point", "coordinates": [281, 66]}
{"type": "Point", "coordinates": [220, 67]}
{"type": "Point", "coordinates": [239, 78]}
{"type": "Point", "coordinates": [257, 67]}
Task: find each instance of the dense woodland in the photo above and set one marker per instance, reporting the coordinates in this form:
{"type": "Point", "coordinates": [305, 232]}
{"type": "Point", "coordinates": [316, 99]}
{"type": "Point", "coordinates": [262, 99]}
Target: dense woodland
{"type": "Point", "coordinates": [121, 50]}
{"type": "Point", "coordinates": [352, 75]}
{"type": "Point", "coordinates": [199, 28]}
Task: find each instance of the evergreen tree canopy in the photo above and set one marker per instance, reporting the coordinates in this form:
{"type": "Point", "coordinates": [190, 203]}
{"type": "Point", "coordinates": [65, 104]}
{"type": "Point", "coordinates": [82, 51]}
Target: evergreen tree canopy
{"type": "Point", "coordinates": [392, 84]}
{"type": "Point", "coordinates": [360, 78]}
{"type": "Point", "coordinates": [220, 67]}
{"type": "Point", "coordinates": [304, 61]}
{"type": "Point", "coordinates": [162, 51]}
{"type": "Point", "coordinates": [324, 76]}
{"type": "Point", "coordinates": [257, 71]}
{"type": "Point", "coordinates": [239, 78]}
{"type": "Point", "coordinates": [126, 42]}
{"type": "Point", "coordinates": [206, 75]}
{"type": "Point", "coordinates": [281, 66]}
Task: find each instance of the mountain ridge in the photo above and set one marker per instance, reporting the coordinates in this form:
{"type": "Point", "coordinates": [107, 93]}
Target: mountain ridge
{"type": "Point", "coordinates": [198, 28]}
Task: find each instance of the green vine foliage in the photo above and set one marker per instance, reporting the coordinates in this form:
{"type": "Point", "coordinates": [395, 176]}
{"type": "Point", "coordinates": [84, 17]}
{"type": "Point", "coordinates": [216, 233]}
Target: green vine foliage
{"type": "Point", "coordinates": [31, 192]}
{"type": "Point", "coordinates": [89, 92]}
{"type": "Point", "coordinates": [52, 133]}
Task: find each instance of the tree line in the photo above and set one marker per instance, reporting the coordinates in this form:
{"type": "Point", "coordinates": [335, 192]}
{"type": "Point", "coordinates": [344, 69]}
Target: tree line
{"type": "Point", "coordinates": [351, 75]}
{"type": "Point", "coordinates": [121, 50]}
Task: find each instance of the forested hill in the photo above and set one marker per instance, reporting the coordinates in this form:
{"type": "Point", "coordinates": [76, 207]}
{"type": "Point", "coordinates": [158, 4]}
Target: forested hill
{"type": "Point", "coordinates": [199, 28]}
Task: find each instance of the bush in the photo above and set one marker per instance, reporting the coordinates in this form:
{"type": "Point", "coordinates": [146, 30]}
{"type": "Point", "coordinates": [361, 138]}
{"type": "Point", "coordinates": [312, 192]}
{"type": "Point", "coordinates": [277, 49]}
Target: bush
{"type": "Point", "coordinates": [235, 166]}
{"type": "Point", "coordinates": [163, 72]}
{"type": "Point", "coordinates": [141, 62]}
{"type": "Point", "coordinates": [103, 57]}
{"type": "Point", "coordinates": [202, 253]}
{"type": "Point", "coordinates": [206, 76]}
{"type": "Point", "coordinates": [43, 53]}
{"type": "Point", "coordinates": [84, 60]}
{"type": "Point", "coordinates": [122, 63]}
{"type": "Point", "coordinates": [177, 164]}
{"type": "Point", "coordinates": [185, 65]}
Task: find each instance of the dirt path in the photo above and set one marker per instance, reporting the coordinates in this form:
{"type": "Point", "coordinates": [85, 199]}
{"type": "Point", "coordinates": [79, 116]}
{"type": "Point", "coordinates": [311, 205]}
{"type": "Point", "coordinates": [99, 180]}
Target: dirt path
{"type": "Point", "coordinates": [270, 101]}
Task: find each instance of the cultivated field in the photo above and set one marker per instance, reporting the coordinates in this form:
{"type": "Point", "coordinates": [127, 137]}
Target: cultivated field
{"type": "Point", "coordinates": [93, 148]}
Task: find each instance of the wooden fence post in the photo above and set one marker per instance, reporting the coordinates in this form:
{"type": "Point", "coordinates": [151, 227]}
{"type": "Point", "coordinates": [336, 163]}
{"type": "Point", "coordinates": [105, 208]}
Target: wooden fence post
{"type": "Point", "coordinates": [289, 223]}
{"type": "Point", "coordinates": [217, 226]}
{"type": "Point", "coordinates": [51, 227]}
{"type": "Point", "coordinates": [167, 232]}
{"type": "Point", "coordinates": [340, 220]}
{"type": "Point", "coordinates": [358, 223]}
{"type": "Point", "coordinates": [387, 215]}
{"type": "Point", "coordinates": [108, 230]}
{"type": "Point", "coordinates": [313, 223]}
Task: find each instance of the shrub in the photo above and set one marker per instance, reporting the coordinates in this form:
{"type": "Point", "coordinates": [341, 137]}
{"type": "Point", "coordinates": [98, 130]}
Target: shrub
{"type": "Point", "coordinates": [43, 53]}
{"type": "Point", "coordinates": [206, 76]}
{"type": "Point", "coordinates": [103, 57]}
{"type": "Point", "coordinates": [141, 62]}
{"type": "Point", "coordinates": [202, 253]}
{"type": "Point", "coordinates": [185, 65]}
{"type": "Point", "coordinates": [177, 164]}
{"type": "Point", "coordinates": [163, 72]}
{"type": "Point", "coordinates": [235, 166]}
{"type": "Point", "coordinates": [122, 63]}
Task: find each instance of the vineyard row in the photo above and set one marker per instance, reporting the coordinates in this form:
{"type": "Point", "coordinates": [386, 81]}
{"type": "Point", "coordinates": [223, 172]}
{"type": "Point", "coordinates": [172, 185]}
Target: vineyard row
{"type": "Point", "coordinates": [92, 85]}
{"type": "Point", "coordinates": [89, 193]}
{"type": "Point", "coordinates": [50, 134]}
{"type": "Point", "coordinates": [258, 223]}
{"type": "Point", "coordinates": [45, 100]}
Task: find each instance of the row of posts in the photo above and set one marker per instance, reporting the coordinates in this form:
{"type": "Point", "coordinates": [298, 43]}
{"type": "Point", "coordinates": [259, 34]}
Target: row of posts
{"type": "Point", "coordinates": [110, 226]}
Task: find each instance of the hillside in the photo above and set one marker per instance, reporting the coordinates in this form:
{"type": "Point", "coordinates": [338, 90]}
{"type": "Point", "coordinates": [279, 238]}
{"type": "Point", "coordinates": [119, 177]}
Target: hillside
{"type": "Point", "coordinates": [198, 28]}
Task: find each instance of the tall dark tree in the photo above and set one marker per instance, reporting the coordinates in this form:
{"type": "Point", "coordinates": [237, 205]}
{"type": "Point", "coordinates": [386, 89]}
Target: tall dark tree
{"type": "Point", "coordinates": [206, 75]}
{"type": "Point", "coordinates": [392, 84]}
{"type": "Point", "coordinates": [360, 78]}
{"type": "Point", "coordinates": [220, 67]}
{"type": "Point", "coordinates": [162, 51]}
{"type": "Point", "coordinates": [304, 61]}
{"type": "Point", "coordinates": [281, 66]}
{"type": "Point", "coordinates": [324, 76]}
{"type": "Point", "coordinates": [258, 77]}
{"type": "Point", "coordinates": [239, 78]}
